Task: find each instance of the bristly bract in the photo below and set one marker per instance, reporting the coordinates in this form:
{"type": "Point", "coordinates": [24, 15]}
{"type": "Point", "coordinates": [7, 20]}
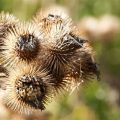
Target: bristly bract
{"type": "Point", "coordinates": [22, 43]}
{"type": "Point", "coordinates": [7, 21]}
{"type": "Point", "coordinates": [64, 49]}
{"type": "Point", "coordinates": [28, 89]}
{"type": "Point", "coordinates": [42, 59]}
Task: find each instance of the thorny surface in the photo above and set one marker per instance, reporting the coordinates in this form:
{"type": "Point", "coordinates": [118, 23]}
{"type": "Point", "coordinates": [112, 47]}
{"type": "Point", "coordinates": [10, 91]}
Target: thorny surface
{"type": "Point", "coordinates": [52, 44]}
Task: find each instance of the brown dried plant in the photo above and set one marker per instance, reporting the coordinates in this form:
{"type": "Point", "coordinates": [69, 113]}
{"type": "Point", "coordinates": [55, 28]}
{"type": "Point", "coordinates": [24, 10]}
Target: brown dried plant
{"type": "Point", "coordinates": [22, 44]}
{"type": "Point", "coordinates": [68, 56]}
{"type": "Point", "coordinates": [28, 88]}
{"type": "Point", "coordinates": [43, 58]}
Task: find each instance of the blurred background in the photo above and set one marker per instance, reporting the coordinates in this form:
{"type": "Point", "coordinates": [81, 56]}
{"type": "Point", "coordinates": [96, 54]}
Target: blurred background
{"type": "Point", "coordinates": [99, 21]}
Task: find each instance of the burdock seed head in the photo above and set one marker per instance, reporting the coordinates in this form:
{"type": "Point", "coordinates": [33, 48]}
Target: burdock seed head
{"type": "Point", "coordinates": [28, 89]}
{"type": "Point", "coordinates": [21, 44]}
{"type": "Point", "coordinates": [55, 45]}
{"type": "Point", "coordinates": [82, 66]}
{"type": "Point", "coordinates": [68, 55]}
{"type": "Point", "coordinates": [7, 21]}
{"type": "Point", "coordinates": [27, 46]}
{"type": "Point", "coordinates": [60, 44]}
{"type": "Point", "coordinates": [52, 15]}
{"type": "Point", "coordinates": [7, 18]}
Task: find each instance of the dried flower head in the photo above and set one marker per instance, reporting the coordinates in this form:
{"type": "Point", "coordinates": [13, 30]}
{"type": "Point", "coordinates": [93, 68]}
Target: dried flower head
{"type": "Point", "coordinates": [82, 66]}
{"type": "Point", "coordinates": [55, 26]}
{"type": "Point", "coordinates": [28, 89]}
{"type": "Point", "coordinates": [7, 18]}
{"type": "Point", "coordinates": [59, 57]}
{"type": "Point", "coordinates": [52, 15]}
{"type": "Point", "coordinates": [47, 56]}
{"type": "Point", "coordinates": [21, 44]}
{"type": "Point", "coordinates": [68, 56]}
{"type": "Point", "coordinates": [6, 22]}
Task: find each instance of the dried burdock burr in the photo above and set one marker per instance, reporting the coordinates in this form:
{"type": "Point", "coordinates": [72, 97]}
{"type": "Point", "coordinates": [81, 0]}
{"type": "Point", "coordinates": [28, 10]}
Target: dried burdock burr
{"type": "Point", "coordinates": [52, 15]}
{"type": "Point", "coordinates": [68, 56]}
{"type": "Point", "coordinates": [56, 27]}
{"type": "Point", "coordinates": [59, 57]}
{"type": "Point", "coordinates": [21, 44]}
{"type": "Point", "coordinates": [7, 21]}
{"type": "Point", "coordinates": [71, 56]}
{"type": "Point", "coordinates": [28, 89]}
{"type": "Point", "coordinates": [82, 66]}
{"type": "Point", "coordinates": [41, 59]}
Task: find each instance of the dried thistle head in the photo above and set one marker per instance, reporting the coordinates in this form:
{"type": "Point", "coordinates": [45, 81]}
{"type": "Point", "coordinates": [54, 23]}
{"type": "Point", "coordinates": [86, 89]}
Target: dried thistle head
{"type": "Point", "coordinates": [52, 15]}
{"type": "Point", "coordinates": [54, 27]}
{"type": "Point", "coordinates": [6, 22]}
{"type": "Point", "coordinates": [65, 56]}
{"type": "Point", "coordinates": [28, 89]}
{"type": "Point", "coordinates": [82, 66]}
{"type": "Point", "coordinates": [66, 51]}
{"type": "Point", "coordinates": [60, 54]}
{"type": "Point", "coordinates": [21, 44]}
{"type": "Point", "coordinates": [70, 57]}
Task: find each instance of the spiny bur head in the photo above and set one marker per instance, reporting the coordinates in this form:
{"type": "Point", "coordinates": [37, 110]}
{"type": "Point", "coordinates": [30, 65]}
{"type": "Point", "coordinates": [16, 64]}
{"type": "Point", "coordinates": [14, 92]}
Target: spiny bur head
{"type": "Point", "coordinates": [28, 90]}
{"type": "Point", "coordinates": [6, 22]}
{"type": "Point", "coordinates": [60, 45]}
{"type": "Point", "coordinates": [27, 46]}
{"type": "Point", "coordinates": [52, 15]}
{"type": "Point", "coordinates": [68, 55]}
{"type": "Point", "coordinates": [88, 65]}
{"type": "Point", "coordinates": [59, 54]}
{"type": "Point", "coordinates": [7, 19]}
{"type": "Point", "coordinates": [82, 66]}
{"type": "Point", "coordinates": [31, 90]}
{"type": "Point", "coordinates": [21, 44]}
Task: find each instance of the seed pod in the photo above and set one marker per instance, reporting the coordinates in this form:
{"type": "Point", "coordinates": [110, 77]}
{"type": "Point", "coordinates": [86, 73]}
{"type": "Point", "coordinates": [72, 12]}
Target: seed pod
{"type": "Point", "coordinates": [82, 66]}
{"type": "Point", "coordinates": [28, 89]}
{"type": "Point", "coordinates": [53, 14]}
{"type": "Point", "coordinates": [54, 27]}
{"type": "Point", "coordinates": [68, 56]}
{"type": "Point", "coordinates": [21, 44]}
{"type": "Point", "coordinates": [58, 55]}
{"type": "Point", "coordinates": [61, 45]}
{"type": "Point", "coordinates": [6, 22]}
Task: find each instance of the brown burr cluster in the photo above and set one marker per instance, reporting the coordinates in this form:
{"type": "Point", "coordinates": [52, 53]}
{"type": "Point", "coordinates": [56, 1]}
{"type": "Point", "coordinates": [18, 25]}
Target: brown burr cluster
{"type": "Point", "coordinates": [42, 58]}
